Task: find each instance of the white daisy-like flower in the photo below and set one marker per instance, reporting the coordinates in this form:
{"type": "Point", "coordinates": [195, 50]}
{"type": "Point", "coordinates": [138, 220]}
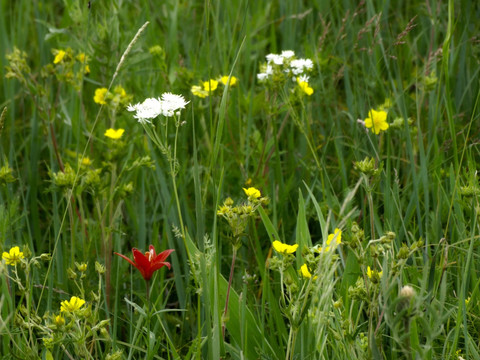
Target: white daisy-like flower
{"type": "Point", "coordinates": [287, 54]}
{"type": "Point", "coordinates": [298, 66]}
{"type": "Point", "coordinates": [171, 104]}
{"type": "Point", "coordinates": [147, 110]}
{"type": "Point", "coordinates": [269, 70]}
{"type": "Point", "coordinates": [275, 58]}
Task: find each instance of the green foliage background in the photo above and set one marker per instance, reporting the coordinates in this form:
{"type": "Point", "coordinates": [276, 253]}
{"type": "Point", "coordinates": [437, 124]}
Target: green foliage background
{"type": "Point", "coordinates": [299, 151]}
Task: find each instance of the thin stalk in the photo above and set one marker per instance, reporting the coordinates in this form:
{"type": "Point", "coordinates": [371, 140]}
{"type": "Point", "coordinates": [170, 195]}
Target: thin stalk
{"type": "Point", "coordinates": [230, 279]}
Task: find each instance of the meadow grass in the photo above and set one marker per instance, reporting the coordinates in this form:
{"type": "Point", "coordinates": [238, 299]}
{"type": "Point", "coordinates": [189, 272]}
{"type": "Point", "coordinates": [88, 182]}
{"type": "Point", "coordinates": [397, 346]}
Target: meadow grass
{"type": "Point", "coordinates": [399, 280]}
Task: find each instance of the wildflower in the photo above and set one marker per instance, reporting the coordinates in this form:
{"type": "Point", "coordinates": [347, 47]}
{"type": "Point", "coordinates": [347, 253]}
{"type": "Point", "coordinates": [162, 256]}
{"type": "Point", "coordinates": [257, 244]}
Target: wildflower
{"type": "Point", "coordinates": [149, 109]}
{"type": "Point", "coordinates": [233, 80]}
{"type": "Point", "coordinates": [59, 56]}
{"type": "Point", "coordinates": [168, 105]}
{"type": "Point", "coordinates": [284, 248]}
{"type": "Point", "coordinates": [374, 274]}
{"type": "Point", "coordinates": [298, 66]}
{"type": "Point", "coordinates": [377, 120]}
{"type": "Point", "coordinates": [171, 103]}
{"type": "Point", "coordinates": [82, 58]}
{"type": "Point", "coordinates": [13, 257]}
{"type": "Point", "coordinates": [120, 91]}
{"type": "Point", "coordinates": [74, 304]}
{"type": "Point", "coordinates": [149, 262]}
{"type": "Point", "coordinates": [210, 85]}
{"type": "Point", "coordinates": [81, 267]}
{"type": "Point", "coordinates": [100, 95]}
{"type": "Point", "coordinates": [275, 58]}
{"type": "Point", "coordinates": [406, 292]}
{"type": "Point", "coordinates": [114, 134]}
{"type": "Point", "coordinates": [252, 193]}
{"type": "Point", "coordinates": [467, 300]}
{"type": "Point", "coordinates": [337, 236]}
{"type": "Point", "coordinates": [306, 273]}
{"type": "Point", "coordinates": [305, 87]}
{"type": "Point", "coordinates": [199, 91]}
{"type": "Point", "coordinates": [59, 320]}
{"type": "Point", "coordinates": [86, 161]}
{"type": "Point", "coordinates": [287, 54]}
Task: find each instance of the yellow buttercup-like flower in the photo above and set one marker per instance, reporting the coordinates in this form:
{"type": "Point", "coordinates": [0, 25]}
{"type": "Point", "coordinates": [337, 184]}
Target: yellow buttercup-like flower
{"type": "Point", "coordinates": [336, 238]}
{"type": "Point", "coordinates": [252, 193]}
{"type": "Point", "coordinates": [377, 121]}
{"type": "Point", "coordinates": [13, 257]}
{"type": "Point", "coordinates": [100, 95]}
{"type": "Point", "coordinates": [233, 80]}
{"type": "Point", "coordinates": [114, 134]}
{"type": "Point", "coordinates": [305, 87]}
{"type": "Point", "coordinates": [199, 91]}
{"type": "Point", "coordinates": [210, 85]}
{"type": "Point", "coordinates": [59, 57]}
{"type": "Point", "coordinates": [306, 273]}
{"type": "Point", "coordinates": [284, 248]}
{"type": "Point", "coordinates": [74, 304]}
{"type": "Point", "coordinates": [59, 320]}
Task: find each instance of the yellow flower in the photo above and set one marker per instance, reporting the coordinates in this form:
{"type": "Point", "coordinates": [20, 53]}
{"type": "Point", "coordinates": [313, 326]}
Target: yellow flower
{"type": "Point", "coordinates": [284, 248]}
{"type": "Point", "coordinates": [305, 87]}
{"type": "Point", "coordinates": [120, 91]}
{"type": "Point", "coordinates": [199, 91]}
{"type": "Point", "coordinates": [59, 320]}
{"type": "Point", "coordinates": [86, 161]}
{"type": "Point", "coordinates": [59, 57]}
{"type": "Point", "coordinates": [337, 236]}
{"type": "Point", "coordinates": [74, 304]}
{"type": "Point", "coordinates": [467, 300]}
{"type": "Point", "coordinates": [87, 69]}
{"type": "Point", "coordinates": [100, 95]}
{"type": "Point", "coordinates": [377, 121]}
{"type": "Point", "coordinates": [81, 267]}
{"type": "Point", "coordinates": [13, 257]}
{"type": "Point", "coordinates": [252, 193]}
{"type": "Point", "coordinates": [210, 85]}
{"type": "Point", "coordinates": [376, 275]}
{"type": "Point", "coordinates": [114, 134]}
{"type": "Point", "coordinates": [306, 273]}
{"type": "Point", "coordinates": [233, 80]}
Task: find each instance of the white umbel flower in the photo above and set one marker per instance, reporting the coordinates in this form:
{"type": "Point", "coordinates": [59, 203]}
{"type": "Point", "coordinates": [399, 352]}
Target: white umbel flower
{"type": "Point", "coordinates": [287, 54]}
{"type": "Point", "coordinates": [167, 106]}
{"type": "Point", "coordinates": [172, 103]}
{"type": "Point", "coordinates": [275, 58]}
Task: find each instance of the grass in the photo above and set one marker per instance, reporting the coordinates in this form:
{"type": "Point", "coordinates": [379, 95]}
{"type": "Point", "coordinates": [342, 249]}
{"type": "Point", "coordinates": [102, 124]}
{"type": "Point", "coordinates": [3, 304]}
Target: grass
{"type": "Point", "coordinates": [402, 284]}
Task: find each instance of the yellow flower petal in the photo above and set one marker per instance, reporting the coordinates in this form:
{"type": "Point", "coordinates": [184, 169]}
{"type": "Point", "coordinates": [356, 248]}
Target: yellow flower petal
{"type": "Point", "coordinates": [13, 257]}
{"type": "Point", "coordinates": [59, 57]}
{"type": "Point", "coordinates": [284, 248]}
{"type": "Point", "coordinates": [252, 193]}
{"type": "Point", "coordinates": [114, 134]}
{"type": "Point", "coordinates": [100, 95]}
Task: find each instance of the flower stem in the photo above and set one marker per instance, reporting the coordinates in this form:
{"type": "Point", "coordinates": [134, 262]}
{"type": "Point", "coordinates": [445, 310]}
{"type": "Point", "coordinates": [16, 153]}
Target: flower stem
{"type": "Point", "coordinates": [230, 279]}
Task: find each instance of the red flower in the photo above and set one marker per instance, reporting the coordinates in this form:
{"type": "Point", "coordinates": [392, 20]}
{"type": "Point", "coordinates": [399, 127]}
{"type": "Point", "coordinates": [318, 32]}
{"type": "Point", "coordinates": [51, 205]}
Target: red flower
{"type": "Point", "coordinates": [149, 262]}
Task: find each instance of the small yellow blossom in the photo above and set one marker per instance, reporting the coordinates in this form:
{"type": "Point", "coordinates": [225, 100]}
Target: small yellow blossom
{"type": "Point", "coordinates": [100, 95]}
{"type": "Point", "coordinates": [74, 304]}
{"type": "Point", "coordinates": [82, 267]}
{"type": "Point", "coordinates": [120, 91]}
{"type": "Point", "coordinates": [377, 121]}
{"type": "Point", "coordinates": [284, 248]}
{"type": "Point", "coordinates": [306, 273]}
{"type": "Point", "coordinates": [373, 273]}
{"type": "Point", "coordinates": [467, 300]}
{"type": "Point", "coordinates": [82, 58]}
{"type": "Point", "coordinates": [337, 236]}
{"type": "Point", "coordinates": [86, 161]}
{"type": "Point", "coordinates": [59, 57]}
{"type": "Point", "coordinates": [199, 91]}
{"type": "Point", "coordinates": [114, 134]}
{"type": "Point", "coordinates": [59, 320]}
{"type": "Point", "coordinates": [252, 193]}
{"type": "Point", "coordinates": [210, 85]}
{"type": "Point", "coordinates": [233, 80]}
{"type": "Point", "coordinates": [13, 257]}
{"type": "Point", "coordinates": [305, 87]}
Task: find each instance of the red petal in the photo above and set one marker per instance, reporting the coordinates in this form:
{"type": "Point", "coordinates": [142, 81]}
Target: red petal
{"type": "Point", "coordinates": [142, 264]}
{"type": "Point", "coordinates": [163, 255]}
{"type": "Point", "coordinates": [126, 258]}
{"type": "Point", "coordinates": [152, 252]}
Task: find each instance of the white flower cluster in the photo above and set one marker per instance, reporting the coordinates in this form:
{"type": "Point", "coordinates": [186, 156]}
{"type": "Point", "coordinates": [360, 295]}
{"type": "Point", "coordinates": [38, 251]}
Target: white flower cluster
{"type": "Point", "coordinates": [167, 105]}
{"type": "Point", "coordinates": [287, 63]}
